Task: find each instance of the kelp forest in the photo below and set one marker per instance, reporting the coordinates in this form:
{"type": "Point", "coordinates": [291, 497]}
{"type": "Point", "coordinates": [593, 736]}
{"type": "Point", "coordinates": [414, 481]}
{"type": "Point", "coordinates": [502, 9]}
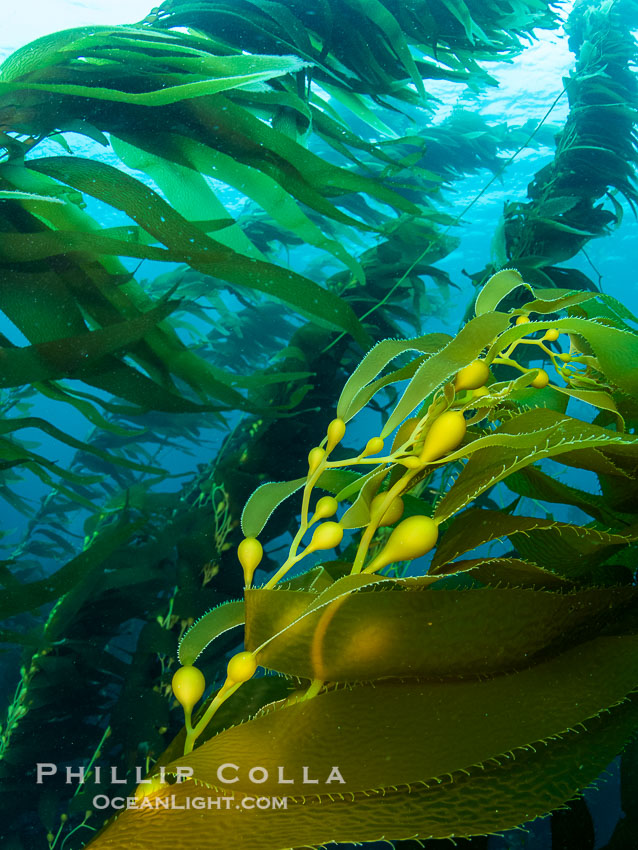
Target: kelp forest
{"type": "Point", "coordinates": [282, 488]}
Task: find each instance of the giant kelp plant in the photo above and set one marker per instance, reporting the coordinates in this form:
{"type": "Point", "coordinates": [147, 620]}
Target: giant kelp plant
{"type": "Point", "coordinates": [318, 235]}
{"type": "Point", "coordinates": [405, 688]}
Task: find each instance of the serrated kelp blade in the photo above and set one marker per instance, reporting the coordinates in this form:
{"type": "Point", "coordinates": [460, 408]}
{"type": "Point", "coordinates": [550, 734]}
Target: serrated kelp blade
{"type": "Point", "coordinates": [408, 628]}
{"type": "Point", "coordinates": [496, 795]}
{"type": "Point", "coordinates": [445, 363]}
{"type": "Point", "coordinates": [615, 350]}
{"type": "Point", "coordinates": [572, 548]}
{"type": "Point", "coordinates": [209, 626]}
{"type": "Point", "coordinates": [506, 572]}
{"type": "Point", "coordinates": [518, 443]}
{"type": "Point", "coordinates": [263, 502]}
{"type": "Point", "coordinates": [496, 289]}
{"type": "Point", "coordinates": [267, 497]}
{"type": "Point", "coordinates": [151, 212]}
{"type": "Point", "coordinates": [467, 722]}
{"type": "Point", "coordinates": [373, 364]}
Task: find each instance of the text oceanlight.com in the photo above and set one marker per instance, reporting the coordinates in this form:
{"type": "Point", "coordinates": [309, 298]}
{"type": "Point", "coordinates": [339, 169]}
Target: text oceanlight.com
{"type": "Point", "coordinates": [103, 801]}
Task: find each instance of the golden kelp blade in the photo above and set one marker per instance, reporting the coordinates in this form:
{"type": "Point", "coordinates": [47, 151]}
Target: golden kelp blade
{"type": "Point", "coordinates": [401, 628]}
{"type": "Point", "coordinates": [488, 799]}
{"type": "Point", "coordinates": [427, 759]}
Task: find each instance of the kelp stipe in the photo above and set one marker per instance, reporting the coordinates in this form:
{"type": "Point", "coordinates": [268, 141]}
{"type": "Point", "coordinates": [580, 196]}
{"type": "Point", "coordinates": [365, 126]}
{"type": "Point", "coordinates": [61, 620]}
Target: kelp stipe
{"type": "Point", "coordinates": [468, 700]}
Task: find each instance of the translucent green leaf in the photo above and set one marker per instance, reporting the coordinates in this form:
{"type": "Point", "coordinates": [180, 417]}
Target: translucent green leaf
{"type": "Point", "coordinates": [615, 350]}
{"type": "Point", "coordinates": [153, 214]}
{"type": "Point", "coordinates": [358, 514]}
{"type": "Point", "coordinates": [499, 793]}
{"type": "Point", "coordinates": [273, 67]}
{"type": "Point", "coordinates": [496, 289]}
{"type": "Point", "coordinates": [75, 356]}
{"type": "Point", "coordinates": [518, 443]}
{"type": "Point", "coordinates": [536, 484]}
{"type": "Point", "coordinates": [469, 721]}
{"type": "Point", "coordinates": [263, 502]}
{"type": "Point", "coordinates": [596, 398]}
{"type": "Point", "coordinates": [252, 182]}
{"type": "Point", "coordinates": [11, 425]}
{"type": "Point", "coordinates": [354, 396]}
{"type": "Point", "coordinates": [445, 363]}
{"type": "Point", "coordinates": [188, 192]}
{"type": "Point", "coordinates": [269, 496]}
{"type": "Point", "coordinates": [209, 626]}
{"type": "Point", "coordinates": [553, 300]}
{"type": "Point", "coordinates": [506, 572]}
{"type": "Point", "coordinates": [564, 548]}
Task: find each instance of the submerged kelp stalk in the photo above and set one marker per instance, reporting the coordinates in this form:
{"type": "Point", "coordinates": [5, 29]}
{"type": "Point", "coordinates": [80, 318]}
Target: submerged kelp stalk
{"type": "Point", "coordinates": [521, 669]}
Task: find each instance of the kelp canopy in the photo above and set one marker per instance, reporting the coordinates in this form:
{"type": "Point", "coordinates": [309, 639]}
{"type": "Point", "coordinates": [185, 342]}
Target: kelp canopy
{"type": "Point", "coordinates": [252, 148]}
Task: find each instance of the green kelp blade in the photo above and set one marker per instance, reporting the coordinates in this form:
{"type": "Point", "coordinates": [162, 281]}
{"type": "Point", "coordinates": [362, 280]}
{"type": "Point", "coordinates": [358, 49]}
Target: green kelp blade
{"type": "Point", "coordinates": [445, 363]}
{"type": "Point", "coordinates": [375, 362]}
{"type": "Point", "coordinates": [616, 350]}
{"type": "Point", "coordinates": [500, 794]}
{"type": "Point", "coordinates": [154, 215]}
{"type": "Point", "coordinates": [252, 182]}
{"type": "Point", "coordinates": [407, 627]}
{"type": "Point", "coordinates": [596, 398]}
{"type": "Point", "coordinates": [496, 289]}
{"type": "Point", "coordinates": [263, 501]}
{"type": "Point", "coordinates": [507, 572]}
{"type": "Point", "coordinates": [553, 300]}
{"type": "Point", "coordinates": [467, 722]}
{"type": "Point", "coordinates": [536, 484]}
{"type": "Point", "coordinates": [157, 97]}
{"type": "Point", "coordinates": [209, 626]}
{"type": "Point", "coordinates": [29, 596]}
{"type": "Point", "coordinates": [268, 496]}
{"type": "Point", "coordinates": [358, 514]}
{"type": "Point", "coordinates": [568, 549]}
{"type": "Point", "coordinates": [9, 426]}
{"type": "Point", "coordinates": [520, 442]}
{"type": "Point", "coordinates": [75, 356]}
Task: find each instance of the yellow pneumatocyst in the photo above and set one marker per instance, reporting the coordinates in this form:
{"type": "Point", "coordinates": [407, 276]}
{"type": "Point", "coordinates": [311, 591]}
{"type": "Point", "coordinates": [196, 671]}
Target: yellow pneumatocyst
{"type": "Point", "coordinates": [412, 538]}
{"type": "Point", "coordinates": [250, 552]}
{"type": "Point", "coordinates": [522, 320]}
{"type": "Point", "coordinates": [326, 536]}
{"type": "Point", "coordinates": [472, 376]}
{"type": "Point", "coordinates": [411, 462]}
{"type": "Point", "coordinates": [325, 507]}
{"type": "Point", "coordinates": [315, 456]}
{"type": "Point", "coordinates": [373, 447]}
{"type": "Point", "coordinates": [241, 667]}
{"type": "Point", "coordinates": [188, 686]}
{"type": "Point", "coordinates": [552, 335]}
{"type": "Point", "coordinates": [393, 512]}
{"type": "Point", "coordinates": [445, 435]}
{"type": "Point", "coordinates": [541, 380]}
{"type": "Point", "coordinates": [336, 431]}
